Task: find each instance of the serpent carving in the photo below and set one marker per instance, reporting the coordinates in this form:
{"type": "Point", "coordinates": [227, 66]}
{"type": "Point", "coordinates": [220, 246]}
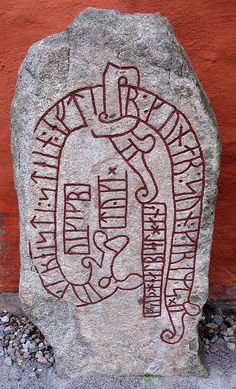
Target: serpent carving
{"type": "Point", "coordinates": [133, 119]}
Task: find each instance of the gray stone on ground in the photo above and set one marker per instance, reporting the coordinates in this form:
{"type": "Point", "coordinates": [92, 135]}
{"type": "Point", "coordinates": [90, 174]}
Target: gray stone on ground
{"type": "Point", "coordinates": [116, 158]}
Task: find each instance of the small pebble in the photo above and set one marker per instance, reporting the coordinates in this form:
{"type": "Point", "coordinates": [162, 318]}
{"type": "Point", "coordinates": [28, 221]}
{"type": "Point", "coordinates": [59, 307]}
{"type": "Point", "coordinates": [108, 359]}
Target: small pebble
{"type": "Point", "coordinates": [213, 348]}
{"type": "Point", "coordinates": [218, 319]}
{"type": "Point", "coordinates": [231, 339]}
{"type": "Point", "coordinates": [214, 339]}
{"type": "Point", "coordinates": [224, 333]}
{"type": "Point", "coordinates": [5, 319]}
{"type": "Point", "coordinates": [26, 355]}
{"type": "Point", "coordinates": [231, 346]}
{"type": "Point", "coordinates": [38, 354]}
{"type": "Point", "coordinates": [230, 331]}
{"type": "Point", "coordinates": [220, 343]}
{"type": "Point", "coordinates": [34, 350]}
{"type": "Point", "coordinates": [42, 359]}
{"type": "Point", "coordinates": [212, 326]}
{"type": "Point", "coordinates": [226, 338]}
{"type": "Point", "coordinates": [7, 361]}
{"type": "Point", "coordinates": [229, 321]}
{"type": "Point", "coordinates": [8, 328]}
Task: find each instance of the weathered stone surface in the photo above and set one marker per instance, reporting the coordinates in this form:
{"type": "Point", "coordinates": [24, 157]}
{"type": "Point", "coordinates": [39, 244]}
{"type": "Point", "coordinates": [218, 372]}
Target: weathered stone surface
{"type": "Point", "coordinates": [116, 157]}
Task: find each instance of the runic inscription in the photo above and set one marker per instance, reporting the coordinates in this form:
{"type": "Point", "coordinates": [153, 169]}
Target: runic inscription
{"type": "Point", "coordinates": [113, 198]}
{"type": "Point", "coordinates": [76, 237]}
{"type": "Point", "coordinates": [153, 256]}
{"type": "Point", "coordinates": [133, 127]}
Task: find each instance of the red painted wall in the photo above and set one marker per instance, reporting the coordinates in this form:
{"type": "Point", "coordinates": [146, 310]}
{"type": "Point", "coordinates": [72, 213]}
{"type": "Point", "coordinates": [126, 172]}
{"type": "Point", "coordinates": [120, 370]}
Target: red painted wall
{"type": "Point", "coordinates": [206, 29]}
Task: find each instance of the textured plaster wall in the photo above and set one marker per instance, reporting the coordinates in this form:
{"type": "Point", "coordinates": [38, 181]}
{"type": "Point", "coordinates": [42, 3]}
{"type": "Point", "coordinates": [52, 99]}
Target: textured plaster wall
{"type": "Point", "coordinates": [206, 29]}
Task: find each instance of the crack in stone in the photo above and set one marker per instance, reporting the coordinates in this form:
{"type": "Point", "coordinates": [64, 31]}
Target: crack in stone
{"type": "Point", "coordinates": [29, 71]}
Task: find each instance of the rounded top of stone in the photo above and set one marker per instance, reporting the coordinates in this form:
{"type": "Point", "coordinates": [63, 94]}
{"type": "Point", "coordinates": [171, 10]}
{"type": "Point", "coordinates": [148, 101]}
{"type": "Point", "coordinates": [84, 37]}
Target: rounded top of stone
{"type": "Point", "coordinates": [110, 16]}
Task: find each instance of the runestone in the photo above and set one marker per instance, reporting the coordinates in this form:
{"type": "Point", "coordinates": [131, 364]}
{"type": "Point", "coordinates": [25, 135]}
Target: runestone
{"type": "Point", "coordinates": [116, 157]}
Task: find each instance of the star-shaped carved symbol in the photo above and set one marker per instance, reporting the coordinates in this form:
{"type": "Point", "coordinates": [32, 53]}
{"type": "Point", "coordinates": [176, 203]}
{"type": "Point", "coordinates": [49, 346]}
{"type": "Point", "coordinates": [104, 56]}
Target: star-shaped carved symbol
{"type": "Point", "coordinates": [155, 229]}
{"type": "Point", "coordinates": [151, 288]}
{"type": "Point", "coordinates": [112, 170]}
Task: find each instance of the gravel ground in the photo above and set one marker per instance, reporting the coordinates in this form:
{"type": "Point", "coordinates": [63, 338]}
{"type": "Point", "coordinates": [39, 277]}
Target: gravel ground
{"type": "Point", "coordinates": [27, 362]}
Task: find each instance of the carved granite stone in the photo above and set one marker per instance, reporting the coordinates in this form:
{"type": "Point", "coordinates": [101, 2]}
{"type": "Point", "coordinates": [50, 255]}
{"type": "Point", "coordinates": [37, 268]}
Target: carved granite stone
{"type": "Point", "coordinates": [116, 158]}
